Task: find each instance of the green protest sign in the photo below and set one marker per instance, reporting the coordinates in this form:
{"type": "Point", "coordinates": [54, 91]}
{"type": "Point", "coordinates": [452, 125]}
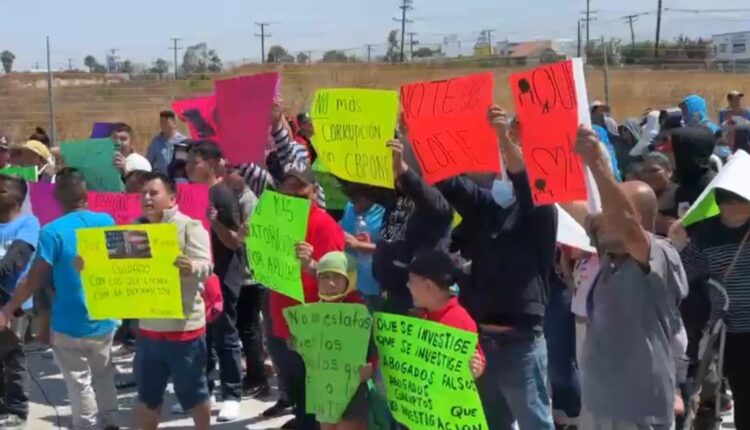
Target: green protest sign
{"type": "Point", "coordinates": [93, 157]}
{"type": "Point", "coordinates": [425, 367]}
{"type": "Point", "coordinates": [333, 340]}
{"type": "Point", "coordinates": [26, 173]}
{"type": "Point", "coordinates": [335, 197]}
{"type": "Point", "coordinates": [278, 223]}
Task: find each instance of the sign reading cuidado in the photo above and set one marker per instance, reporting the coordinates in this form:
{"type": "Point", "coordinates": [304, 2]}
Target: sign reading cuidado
{"type": "Point", "coordinates": [129, 272]}
{"type": "Point", "coordinates": [352, 127]}
{"type": "Point", "coordinates": [425, 367]}
{"type": "Point", "coordinates": [333, 339]}
{"type": "Point", "coordinates": [278, 223]}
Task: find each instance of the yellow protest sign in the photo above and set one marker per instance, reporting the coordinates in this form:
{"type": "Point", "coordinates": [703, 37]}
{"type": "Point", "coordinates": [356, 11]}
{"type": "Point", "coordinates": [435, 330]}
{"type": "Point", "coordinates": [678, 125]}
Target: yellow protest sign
{"type": "Point", "coordinates": [129, 271]}
{"type": "Point", "coordinates": [352, 127]}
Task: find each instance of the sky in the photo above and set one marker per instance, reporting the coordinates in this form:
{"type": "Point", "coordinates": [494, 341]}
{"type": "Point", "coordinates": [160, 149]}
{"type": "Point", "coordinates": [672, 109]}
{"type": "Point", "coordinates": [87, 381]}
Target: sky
{"type": "Point", "coordinates": [140, 30]}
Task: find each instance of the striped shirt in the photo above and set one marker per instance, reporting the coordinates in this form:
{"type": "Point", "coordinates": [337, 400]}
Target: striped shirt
{"type": "Point", "coordinates": [712, 248]}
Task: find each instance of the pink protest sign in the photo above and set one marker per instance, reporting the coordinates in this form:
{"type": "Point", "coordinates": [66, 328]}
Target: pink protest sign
{"type": "Point", "coordinates": [125, 208]}
{"type": "Point", "coordinates": [244, 111]}
{"type": "Point", "coordinates": [199, 113]}
{"type": "Point", "coordinates": [43, 202]}
{"type": "Point", "coordinates": [192, 199]}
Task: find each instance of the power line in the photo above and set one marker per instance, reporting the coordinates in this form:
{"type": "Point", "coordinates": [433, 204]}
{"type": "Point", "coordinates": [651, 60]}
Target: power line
{"type": "Point", "coordinates": [412, 42]}
{"type": "Point", "coordinates": [587, 19]}
{"type": "Point", "coordinates": [369, 47]}
{"type": "Point", "coordinates": [488, 32]}
{"type": "Point", "coordinates": [175, 48]}
{"type": "Point", "coordinates": [405, 6]}
{"type": "Point", "coordinates": [263, 35]}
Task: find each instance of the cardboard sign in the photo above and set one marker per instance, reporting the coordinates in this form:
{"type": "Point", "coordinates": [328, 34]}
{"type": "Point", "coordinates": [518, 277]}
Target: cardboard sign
{"type": "Point", "coordinates": [734, 177]}
{"type": "Point", "coordinates": [27, 173]}
{"type": "Point", "coordinates": [192, 199]}
{"type": "Point", "coordinates": [425, 367]}
{"type": "Point", "coordinates": [352, 127]}
{"type": "Point", "coordinates": [129, 271]}
{"type": "Point", "coordinates": [199, 113]}
{"type": "Point", "coordinates": [101, 129]}
{"type": "Point", "coordinates": [244, 110]}
{"type": "Point", "coordinates": [448, 128]}
{"type": "Point", "coordinates": [278, 223]}
{"type": "Point", "coordinates": [93, 157]}
{"type": "Point", "coordinates": [333, 340]}
{"type": "Point", "coordinates": [43, 203]}
{"type": "Point", "coordinates": [125, 208]}
{"type": "Point", "coordinates": [551, 102]}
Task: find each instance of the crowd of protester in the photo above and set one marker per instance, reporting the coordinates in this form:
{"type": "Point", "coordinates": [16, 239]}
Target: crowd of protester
{"type": "Point", "coordinates": [568, 338]}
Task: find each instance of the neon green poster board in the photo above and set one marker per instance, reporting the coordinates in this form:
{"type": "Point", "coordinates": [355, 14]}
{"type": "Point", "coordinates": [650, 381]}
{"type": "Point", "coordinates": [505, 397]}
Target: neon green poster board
{"type": "Point", "coordinates": [26, 173]}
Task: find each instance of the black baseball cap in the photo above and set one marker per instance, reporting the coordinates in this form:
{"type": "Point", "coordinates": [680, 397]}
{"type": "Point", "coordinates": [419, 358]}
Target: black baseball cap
{"type": "Point", "coordinates": [436, 266]}
{"type": "Point", "coordinates": [301, 171]}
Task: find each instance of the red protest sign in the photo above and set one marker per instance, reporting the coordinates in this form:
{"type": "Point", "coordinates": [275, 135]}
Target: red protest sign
{"type": "Point", "coordinates": [192, 199]}
{"type": "Point", "coordinates": [551, 102]}
{"type": "Point", "coordinates": [125, 208]}
{"type": "Point", "coordinates": [244, 114]}
{"type": "Point", "coordinates": [199, 113]}
{"type": "Point", "coordinates": [448, 127]}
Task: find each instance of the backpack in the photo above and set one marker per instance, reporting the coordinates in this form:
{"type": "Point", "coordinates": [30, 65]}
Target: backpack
{"type": "Point", "coordinates": [212, 298]}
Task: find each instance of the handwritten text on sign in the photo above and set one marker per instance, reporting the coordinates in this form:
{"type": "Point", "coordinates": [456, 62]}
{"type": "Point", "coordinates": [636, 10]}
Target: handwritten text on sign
{"type": "Point", "coordinates": [546, 102]}
{"type": "Point", "coordinates": [129, 271]}
{"type": "Point", "coordinates": [352, 127]}
{"type": "Point", "coordinates": [333, 340]}
{"type": "Point", "coordinates": [277, 225]}
{"type": "Point", "coordinates": [425, 366]}
{"type": "Point", "coordinates": [448, 127]}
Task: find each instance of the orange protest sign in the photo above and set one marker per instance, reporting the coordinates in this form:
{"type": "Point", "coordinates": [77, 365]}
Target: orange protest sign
{"type": "Point", "coordinates": [448, 128]}
{"type": "Point", "coordinates": [551, 102]}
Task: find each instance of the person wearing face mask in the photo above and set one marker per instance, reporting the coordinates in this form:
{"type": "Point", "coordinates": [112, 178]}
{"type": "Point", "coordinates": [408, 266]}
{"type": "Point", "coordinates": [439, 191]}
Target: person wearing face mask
{"type": "Point", "coordinates": [513, 251]}
{"type": "Point", "coordinates": [629, 358]}
{"type": "Point", "coordinates": [708, 250]}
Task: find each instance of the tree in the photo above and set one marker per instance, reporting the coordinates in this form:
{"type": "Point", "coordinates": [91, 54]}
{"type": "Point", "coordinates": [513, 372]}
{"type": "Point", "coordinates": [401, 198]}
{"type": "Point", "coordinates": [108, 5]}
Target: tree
{"type": "Point", "coordinates": [7, 58]}
{"type": "Point", "coordinates": [160, 67]}
{"type": "Point", "coordinates": [424, 52]}
{"type": "Point", "coordinates": [214, 62]}
{"type": "Point", "coordinates": [91, 63]}
{"type": "Point", "coordinates": [199, 59]}
{"type": "Point", "coordinates": [276, 53]}
{"type": "Point", "coordinates": [334, 56]}
{"type": "Point", "coordinates": [126, 67]}
{"type": "Point", "coordinates": [303, 58]}
{"type": "Point", "coordinates": [393, 54]}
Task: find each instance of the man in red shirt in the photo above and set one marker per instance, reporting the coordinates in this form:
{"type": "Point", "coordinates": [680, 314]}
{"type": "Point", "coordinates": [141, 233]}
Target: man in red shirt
{"type": "Point", "coordinates": [323, 236]}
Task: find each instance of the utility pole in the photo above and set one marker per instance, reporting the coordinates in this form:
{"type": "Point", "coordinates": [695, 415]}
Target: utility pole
{"type": "Point", "coordinates": [631, 19]}
{"type": "Point", "coordinates": [70, 64]}
{"type": "Point", "coordinates": [488, 34]}
{"type": "Point", "coordinates": [579, 23]}
{"type": "Point", "coordinates": [658, 29]}
{"type": "Point", "coordinates": [175, 48]}
{"type": "Point", "coordinates": [113, 55]}
{"type": "Point", "coordinates": [262, 36]}
{"type": "Point", "coordinates": [587, 19]}
{"type": "Point", "coordinates": [405, 6]}
{"type": "Point", "coordinates": [412, 42]}
{"type": "Point", "coordinates": [369, 47]}
{"type": "Point", "coordinates": [50, 97]}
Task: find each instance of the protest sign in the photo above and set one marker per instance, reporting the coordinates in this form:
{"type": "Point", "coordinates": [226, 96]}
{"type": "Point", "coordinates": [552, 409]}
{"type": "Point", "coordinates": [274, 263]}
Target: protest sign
{"type": "Point", "coordinates": [332, 189]}
{"type": "Point", "coordinates": [278, 223]}
{"type": "Point", "coordinates": [352, 127]}
{"type": "Point", "coordinates": [551, 102]}
{"type": "Point", "coordinates": [734, 177]}
{"type": "Point", "coordinates": [570, 233]}
{"type": "Point", "coordinates": [94, 158]}
{"type": "Point", "coordinates": [333, 339]}
{"type": "Point", "coordinates": [101, 129]}
{"type": "Point", "coordinates": [192, 199]}
{"type": "Point", "coordinates": [43, 203]}
{"type": "Point", "coordinates": [199, 113]}
{"type": "Point", "coordinates": [27, 173]}
{"type": "Point", "coordinates": [244, 112]}
{"type": "Point", "coordinates": [425, 367]}
{"type": "Point", "coordinates": [129, 271]}
{"type": "Point", "coordinates": [448, 128]}
{"type": "Point", "coordinates": [125, 208]}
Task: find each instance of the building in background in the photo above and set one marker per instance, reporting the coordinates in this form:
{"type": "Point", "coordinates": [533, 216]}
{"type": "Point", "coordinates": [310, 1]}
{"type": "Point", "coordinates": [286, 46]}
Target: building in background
{"type": "Point", "coordinates": [732, 47]}
{"type": "Point", "coordinates": [536, 52]}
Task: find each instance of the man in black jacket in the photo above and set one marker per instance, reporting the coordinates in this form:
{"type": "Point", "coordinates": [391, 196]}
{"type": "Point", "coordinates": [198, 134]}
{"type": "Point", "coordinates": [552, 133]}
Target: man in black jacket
{"type": "Point", "coordinates": [514, 249]}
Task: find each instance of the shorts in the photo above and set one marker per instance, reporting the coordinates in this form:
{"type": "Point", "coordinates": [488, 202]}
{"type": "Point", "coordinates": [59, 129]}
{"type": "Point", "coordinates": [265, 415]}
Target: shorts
{"type": "Point", "coordinates": [359, 406]}
{"type": "Point", "coordinates": [184, 361]}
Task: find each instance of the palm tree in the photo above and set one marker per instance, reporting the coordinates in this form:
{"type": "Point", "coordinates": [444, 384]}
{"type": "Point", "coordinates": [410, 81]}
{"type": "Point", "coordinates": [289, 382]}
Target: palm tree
{"type": "Point", "coordinates": [7, 58]}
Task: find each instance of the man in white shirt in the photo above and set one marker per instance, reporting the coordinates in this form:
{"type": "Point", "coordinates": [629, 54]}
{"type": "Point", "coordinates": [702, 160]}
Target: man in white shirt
{"type": "Point", "coordinates": [126, 159]}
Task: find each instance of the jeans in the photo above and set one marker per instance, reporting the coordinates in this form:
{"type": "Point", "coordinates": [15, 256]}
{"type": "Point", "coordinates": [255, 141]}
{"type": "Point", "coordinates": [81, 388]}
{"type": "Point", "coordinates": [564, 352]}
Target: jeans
{"type": "Point", "coordinates": [513, 386]}
{"type": "Point", "coordinates": [559, 330]}
{"type": "Point", "coordinates": [736, 361]}
{"type": "Point", "coordinates": [251, 332]}
{"type": "Point", "coordinates": [223, 346]}
{"type": "Point", "coordinates": [13, 397]}
{"type": "Point", "coordinates": [276, 347]}
{"type": "Point", "coordinates": [86, 365]}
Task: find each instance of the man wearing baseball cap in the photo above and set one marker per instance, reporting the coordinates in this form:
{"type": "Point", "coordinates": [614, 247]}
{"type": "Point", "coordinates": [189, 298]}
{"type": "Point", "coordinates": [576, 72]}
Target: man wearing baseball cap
{"type": "Point", "coordinates": [734, 107]}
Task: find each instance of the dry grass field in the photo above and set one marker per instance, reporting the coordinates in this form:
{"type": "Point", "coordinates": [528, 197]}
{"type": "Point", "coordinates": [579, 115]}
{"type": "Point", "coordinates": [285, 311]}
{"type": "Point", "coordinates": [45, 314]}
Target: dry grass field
{"type": "Point", "coordinates": [84, 99]}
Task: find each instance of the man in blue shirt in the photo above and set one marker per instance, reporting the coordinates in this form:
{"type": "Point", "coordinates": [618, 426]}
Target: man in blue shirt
{"type": "Point", "coordinates": [161, 150]}
{"type": "Point", "coordinates": [82, 347]}
{"type": "Point", "coordinates": [734, 108]}
{"type": "Point", "coordinates": [19, 234]}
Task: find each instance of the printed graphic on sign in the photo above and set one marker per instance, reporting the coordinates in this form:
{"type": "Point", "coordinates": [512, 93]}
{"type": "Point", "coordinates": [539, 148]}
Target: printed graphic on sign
{"type": "Point", "coordinates": [551, 103]}
{"type": "Point", "coordinates": [199, 113]}
{"type": "Point", "coordinates": [448, 128]}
